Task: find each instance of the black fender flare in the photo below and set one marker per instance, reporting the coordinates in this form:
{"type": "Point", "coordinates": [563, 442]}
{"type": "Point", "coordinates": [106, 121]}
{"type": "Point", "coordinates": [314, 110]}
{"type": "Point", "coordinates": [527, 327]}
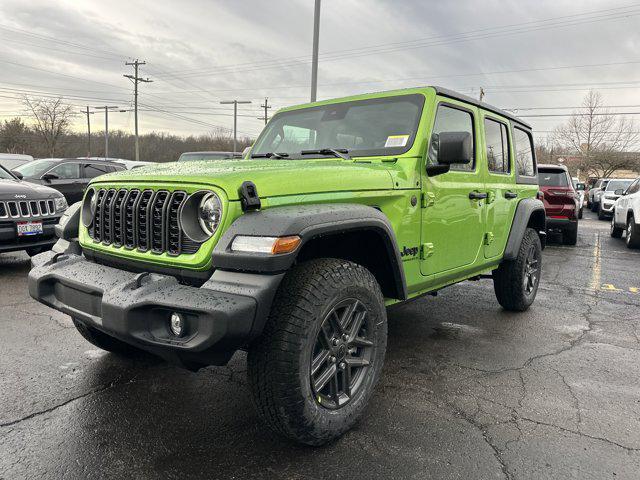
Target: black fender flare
{"type": "Point", "coordinates": [526, 209]}
{"type": "Point", "coordinates": [309, 222]}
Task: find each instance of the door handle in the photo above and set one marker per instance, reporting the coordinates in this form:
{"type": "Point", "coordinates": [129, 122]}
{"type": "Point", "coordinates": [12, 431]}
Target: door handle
{"type": "Point", "coordinates": [475, 195]}
{"type": "Point", "coordinates": [510, 195]}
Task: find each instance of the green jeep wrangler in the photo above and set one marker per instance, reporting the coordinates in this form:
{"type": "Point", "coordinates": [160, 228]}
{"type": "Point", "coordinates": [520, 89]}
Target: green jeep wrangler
{"type": "Point", "coordinates": [344, 207]}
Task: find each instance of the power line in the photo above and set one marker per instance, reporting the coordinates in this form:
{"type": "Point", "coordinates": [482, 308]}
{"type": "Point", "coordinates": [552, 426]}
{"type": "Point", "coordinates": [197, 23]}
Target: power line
{"type": "Point", "coordinates": [439, 40]}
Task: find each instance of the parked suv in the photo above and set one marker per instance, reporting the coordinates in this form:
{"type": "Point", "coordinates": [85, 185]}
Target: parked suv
{"type": "Point", "coordinates": [70, 176]}
{"type": "Point", "coordinates": [345, 207]}
{"type": "Point", "coordinates": [595, 194]}
{"type": "Point", "coordinates": [615, 188]}
{"type": "Point", "coordinates": [28, 215]}
{"type": "Point", "coordinates": [626, 215]}
{"type": "Point", "coordinates": [560, 201]}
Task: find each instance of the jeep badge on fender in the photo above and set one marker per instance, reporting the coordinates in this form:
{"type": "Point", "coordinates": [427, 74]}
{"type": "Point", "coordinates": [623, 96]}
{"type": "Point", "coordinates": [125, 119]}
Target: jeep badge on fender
{"type": "Point", "coordinates": [293, 253]}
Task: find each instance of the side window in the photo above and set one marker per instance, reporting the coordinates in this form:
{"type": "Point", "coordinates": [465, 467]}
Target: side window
{"type": "Point", "coordinates": [95, 170]}
{"type": "Point", "coordinates": [524, 153]}
{"type": "Point", "coordinates": [634, 188]}
{"type": "Point", "coordinates": [67, 170]}
{"type": "Point", "coordinates": [450, 119]}
{"type": "Point", "coordinates": [497, 141]}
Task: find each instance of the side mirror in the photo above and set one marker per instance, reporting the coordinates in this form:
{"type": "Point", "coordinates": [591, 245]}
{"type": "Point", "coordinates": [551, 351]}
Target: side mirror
{"type": "Point", "coordinates": [453, 148]}
{"type": "Point", "coordinates": [17, 174]}
{"type": "Point", "coordinates": [47, 177]}
{"type": "Point", "coordinates": [580, 186]}
{"type": "Point", "coordinates": [619, 192]}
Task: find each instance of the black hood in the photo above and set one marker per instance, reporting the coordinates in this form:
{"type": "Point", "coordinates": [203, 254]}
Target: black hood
{"type": "Point", "coordinates": [10, 188]}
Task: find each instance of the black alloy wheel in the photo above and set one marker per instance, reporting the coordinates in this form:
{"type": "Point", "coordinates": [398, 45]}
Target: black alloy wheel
{"type": "Point", "coordinates": [342, 354]}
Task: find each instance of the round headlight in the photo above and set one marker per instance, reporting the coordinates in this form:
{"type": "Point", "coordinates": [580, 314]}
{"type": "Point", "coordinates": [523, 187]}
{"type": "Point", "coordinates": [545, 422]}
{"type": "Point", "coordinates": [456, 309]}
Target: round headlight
{"type": "Point", "coordinates": [210, 213]}
{"type": "Point", "coordinates": [89, 207]}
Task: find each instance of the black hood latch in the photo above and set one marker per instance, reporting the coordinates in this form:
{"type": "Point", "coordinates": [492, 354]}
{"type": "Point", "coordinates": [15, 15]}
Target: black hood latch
{"type": "Point", "coordinates": [249, 198]}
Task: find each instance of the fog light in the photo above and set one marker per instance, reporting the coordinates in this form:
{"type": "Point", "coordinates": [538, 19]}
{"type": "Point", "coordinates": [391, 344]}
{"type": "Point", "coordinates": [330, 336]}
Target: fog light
{"type": "Point", "coordinates": [176, 324]}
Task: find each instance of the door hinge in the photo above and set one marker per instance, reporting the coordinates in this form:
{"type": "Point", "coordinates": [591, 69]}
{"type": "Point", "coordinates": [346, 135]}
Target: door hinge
{"type": "Point", "coordinates": [427, 199]}
{"type": "Point", "coordinates": [491, 196]}
{"type": "Point", "coordinates": [488, 238]}
{"type": "Point", "coordinates": [426, 250]}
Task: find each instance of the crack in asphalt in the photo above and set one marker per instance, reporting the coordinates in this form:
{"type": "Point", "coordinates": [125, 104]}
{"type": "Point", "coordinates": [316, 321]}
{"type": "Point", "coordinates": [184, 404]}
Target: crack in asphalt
{"type": "Point", "coordinates": [575, 432]}
{"type": "Point", "coordinates": [99, 389]}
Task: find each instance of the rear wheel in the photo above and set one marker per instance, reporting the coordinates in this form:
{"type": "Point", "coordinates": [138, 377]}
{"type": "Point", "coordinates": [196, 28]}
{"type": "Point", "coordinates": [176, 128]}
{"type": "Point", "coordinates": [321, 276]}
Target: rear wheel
{"type": "Point", "coordinates": [516, 281]}
{"type": "Point", "coordinates": [633, 234]}
{"type": "Point", "coordinates": [616, 232]}
{"type": "Point", "coordinates": [315, 366]}
{"type": "Point", "coordinates": [105, 342]}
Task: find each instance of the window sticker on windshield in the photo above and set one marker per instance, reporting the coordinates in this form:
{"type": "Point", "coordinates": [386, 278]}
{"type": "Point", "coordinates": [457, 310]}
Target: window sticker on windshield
{"type": "Point", "coordinates": [396, 141]}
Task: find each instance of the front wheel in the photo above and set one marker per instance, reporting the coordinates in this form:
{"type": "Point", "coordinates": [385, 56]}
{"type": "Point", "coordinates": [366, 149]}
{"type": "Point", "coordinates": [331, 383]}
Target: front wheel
{"type": "Point", "coordinates": [516, 281]}
{"type": "Point", "coordinates": [580, 212]}
{"type": "Point", "coordinates": [616, 232]}
{"type": "Point", "coordinates": [633, 234]}
{"type": "Point", "coordinates": [601, 214]}
{"type": "Point", "coordinates": [314, 368]}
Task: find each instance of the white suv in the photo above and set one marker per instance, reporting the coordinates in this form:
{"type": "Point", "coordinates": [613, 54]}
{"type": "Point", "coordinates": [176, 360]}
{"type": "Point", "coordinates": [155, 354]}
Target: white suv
{"type": "Point", "coordinates": [626, 215]}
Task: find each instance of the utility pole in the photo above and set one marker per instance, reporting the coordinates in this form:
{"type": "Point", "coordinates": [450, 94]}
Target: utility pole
{"type": "Point", "coordinates": [481, 93]}
{"type": "Point", "coordinates": [266, 107]}
{"type": "Point", "coordinates": [136, 79]}
{"type": "Point", "coordinates": [106, 109]}
{"type": "Point", "coordinates": [314, 57]}
{"type": "Point", "coordinates": [87, 113]}
{"type": "Point", "coordinates": [235, 118]}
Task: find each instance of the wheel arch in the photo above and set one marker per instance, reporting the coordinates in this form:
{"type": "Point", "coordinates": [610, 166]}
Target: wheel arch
{"type": "Point", "coordinates": [358, 233]}
{"type": "Point", "coordinates": [530, 213]}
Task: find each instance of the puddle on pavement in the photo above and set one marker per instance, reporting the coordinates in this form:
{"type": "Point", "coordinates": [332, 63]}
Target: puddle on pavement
{"type": "Point", "coordinates": [454, 331]}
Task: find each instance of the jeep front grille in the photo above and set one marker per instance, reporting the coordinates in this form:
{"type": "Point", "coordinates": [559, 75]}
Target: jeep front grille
{"type": "Point", "coordinates": [27, 208]}
{"type": "Point", "coordinates": [141, 220]}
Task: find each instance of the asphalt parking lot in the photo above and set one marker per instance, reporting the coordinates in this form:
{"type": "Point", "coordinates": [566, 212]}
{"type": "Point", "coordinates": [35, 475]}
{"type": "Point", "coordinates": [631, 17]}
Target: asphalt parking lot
{"type": "Point", "coordinates": [468, 390]}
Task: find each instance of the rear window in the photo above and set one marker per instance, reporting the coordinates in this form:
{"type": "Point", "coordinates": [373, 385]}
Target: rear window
{"type": "Point", "coordinates": [552, 178]}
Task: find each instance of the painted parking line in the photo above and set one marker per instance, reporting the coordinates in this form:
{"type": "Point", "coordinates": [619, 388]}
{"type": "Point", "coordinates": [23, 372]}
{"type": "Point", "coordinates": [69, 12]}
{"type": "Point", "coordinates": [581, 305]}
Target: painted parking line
{"type": "Point", "coordinates": [609, 287]}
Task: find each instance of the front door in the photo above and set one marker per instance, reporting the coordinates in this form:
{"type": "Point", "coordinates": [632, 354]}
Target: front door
{"type": "Point", "coordinates": [453, 217]}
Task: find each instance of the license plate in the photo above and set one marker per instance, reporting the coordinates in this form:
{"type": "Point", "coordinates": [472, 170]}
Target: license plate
{"type": "Point", "coordinates": [29, 228]}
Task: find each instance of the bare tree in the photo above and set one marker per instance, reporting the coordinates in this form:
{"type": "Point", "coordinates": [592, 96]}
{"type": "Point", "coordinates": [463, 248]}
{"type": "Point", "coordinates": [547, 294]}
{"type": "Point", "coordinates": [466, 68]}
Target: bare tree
{"type": "Point", "coordinates": [602, 140]}
{"type": "Point", "coordinates": [52, 119]}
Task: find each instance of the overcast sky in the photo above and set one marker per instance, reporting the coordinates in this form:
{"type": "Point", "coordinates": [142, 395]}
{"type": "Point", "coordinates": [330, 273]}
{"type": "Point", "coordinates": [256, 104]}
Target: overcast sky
{"type": "Point", "coordinates": [199, 52]}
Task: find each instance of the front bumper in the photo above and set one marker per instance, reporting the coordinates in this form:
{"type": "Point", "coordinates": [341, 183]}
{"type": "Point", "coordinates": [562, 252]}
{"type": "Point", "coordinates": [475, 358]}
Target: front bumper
{"type": "Point", "coordinates": [608, 205]}
{"type": "Point", "coordinates": [561, 224]}
{"type": "Point", "coordinates": [10, 242]}
{"type": "Point", "coordinates": [223, 315]}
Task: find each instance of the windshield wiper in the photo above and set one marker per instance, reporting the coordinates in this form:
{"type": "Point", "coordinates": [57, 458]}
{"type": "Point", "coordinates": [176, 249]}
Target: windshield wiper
{"type": "Point", "coordinates": [343, 153]}
{"type": "Point", "coordinates": [270, 155]}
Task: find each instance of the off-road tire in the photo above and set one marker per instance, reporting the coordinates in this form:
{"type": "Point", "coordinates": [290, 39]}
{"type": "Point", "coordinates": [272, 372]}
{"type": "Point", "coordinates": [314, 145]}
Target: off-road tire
{"type": "Point", "coordinates": [279, 361]}
{"type": "Point", "coordinates": [616, 232]}
{"type": "Point", "coordinates": [509, 277]}
{"type": "Point", "coordinates": [105, 342]}
{"type": "Point", "coordinates": [570, 235]}
{"type": "Point", "coordinates": [633, 234]}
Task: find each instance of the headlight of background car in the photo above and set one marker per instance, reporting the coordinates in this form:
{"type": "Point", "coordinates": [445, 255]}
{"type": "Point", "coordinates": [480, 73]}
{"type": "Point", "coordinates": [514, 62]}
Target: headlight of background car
{"type": "Point", "coordinates": [61, 204]}
{"type": "Point", "coordinates": [210, 213]}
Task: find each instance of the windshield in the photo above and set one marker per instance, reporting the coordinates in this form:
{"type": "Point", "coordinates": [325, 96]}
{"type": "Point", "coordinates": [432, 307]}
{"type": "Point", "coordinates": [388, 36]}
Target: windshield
{"type": "Point", "coordinates": [4, 175]}
{"type": "Point", "coordinates": [377, 126]}
{"type": "Point", "coordinates": [36, 168]}
{"type": "Point", "coordinates": [185, 157]}
{"type": "Point", "coordinates": [614, 185]}
{"type": "Point", "coordinates": [552, 178]}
